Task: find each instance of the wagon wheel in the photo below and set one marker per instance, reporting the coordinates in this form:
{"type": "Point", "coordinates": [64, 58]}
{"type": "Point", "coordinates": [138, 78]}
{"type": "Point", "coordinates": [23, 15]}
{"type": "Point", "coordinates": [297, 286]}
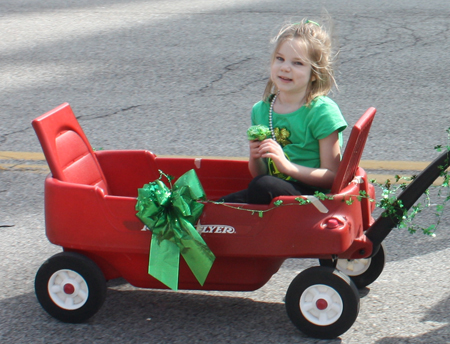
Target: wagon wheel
{"type": "Point", "coordinates": [70, 287]}
{"type": "Point", "coordinates": [362, 271]}
{"type": "Point", "coordinates": [322, 302]}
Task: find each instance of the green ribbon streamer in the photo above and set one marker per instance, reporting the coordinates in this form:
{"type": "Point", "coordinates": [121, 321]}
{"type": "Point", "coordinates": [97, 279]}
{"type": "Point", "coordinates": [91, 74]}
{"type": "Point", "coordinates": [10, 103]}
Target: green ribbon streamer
{"type": "Point", "coordinates": [258, 132]}
{"type": "Point", "coordinates": [171, 215]}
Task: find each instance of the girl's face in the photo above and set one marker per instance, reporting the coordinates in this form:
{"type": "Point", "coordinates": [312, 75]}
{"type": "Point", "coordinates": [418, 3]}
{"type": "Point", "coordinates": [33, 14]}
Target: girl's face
{"type": "Point", "coordinates": [290, 70]}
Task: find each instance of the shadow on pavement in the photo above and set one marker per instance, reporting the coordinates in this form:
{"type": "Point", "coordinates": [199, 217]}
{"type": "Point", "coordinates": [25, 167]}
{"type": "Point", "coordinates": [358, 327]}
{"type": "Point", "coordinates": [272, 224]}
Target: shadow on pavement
{"type": "Point", "coordinates": [141, 316]}
{"type": "Point", "coordinates": [439, 335]}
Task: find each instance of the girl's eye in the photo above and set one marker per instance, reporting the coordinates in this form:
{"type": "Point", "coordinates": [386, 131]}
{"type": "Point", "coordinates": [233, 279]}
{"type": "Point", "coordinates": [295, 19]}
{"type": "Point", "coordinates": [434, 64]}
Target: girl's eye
{"type": "Point", "coordinates": [298, 63]}
{"type": "Point", "coordinates": [279, 58]}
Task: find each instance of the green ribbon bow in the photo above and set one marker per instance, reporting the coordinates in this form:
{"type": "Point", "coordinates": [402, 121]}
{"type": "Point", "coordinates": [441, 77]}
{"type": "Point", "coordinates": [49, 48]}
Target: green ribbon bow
{"type": "Point", "coordinates": [171, 215]}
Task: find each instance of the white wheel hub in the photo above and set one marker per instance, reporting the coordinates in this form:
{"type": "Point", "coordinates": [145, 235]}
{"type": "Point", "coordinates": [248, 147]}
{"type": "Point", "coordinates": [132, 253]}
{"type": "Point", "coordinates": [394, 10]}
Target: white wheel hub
{"type": "Point", "coordinates": [321, 305]}
{"type": "Point", "coordinates": [68, 289]}
{"type": "Point", "coordinates": [353, 267]}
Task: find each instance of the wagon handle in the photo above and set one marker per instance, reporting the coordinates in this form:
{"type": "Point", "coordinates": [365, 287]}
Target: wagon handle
{"type": "Point", "coordinates": [385, 223]}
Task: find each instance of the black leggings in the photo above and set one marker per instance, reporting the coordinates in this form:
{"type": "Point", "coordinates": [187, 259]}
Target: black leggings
{"type": "Point", "coordinates": [262, 189]}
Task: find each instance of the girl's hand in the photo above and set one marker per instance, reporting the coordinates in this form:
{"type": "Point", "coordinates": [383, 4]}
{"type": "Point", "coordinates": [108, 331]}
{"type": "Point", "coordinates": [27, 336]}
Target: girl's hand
{"type": "Point", "coordinates": [254, 149]}
{"type": "Point", "coordinates": [256, 165]}
{"type": "Point", "coordinates": [271, 149]}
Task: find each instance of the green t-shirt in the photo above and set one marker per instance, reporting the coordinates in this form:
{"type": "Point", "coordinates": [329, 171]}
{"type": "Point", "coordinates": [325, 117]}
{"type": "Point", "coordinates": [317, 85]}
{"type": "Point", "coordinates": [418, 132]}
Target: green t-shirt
{"type": "Point", "coordinates": [299, 132]}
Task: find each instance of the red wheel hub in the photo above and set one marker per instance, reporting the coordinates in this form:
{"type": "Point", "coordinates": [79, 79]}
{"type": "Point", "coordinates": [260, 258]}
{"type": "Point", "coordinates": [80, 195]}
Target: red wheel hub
{"type": "Point", "coordinates": [69, 288]}
{"type": "Point", "coordinates": [321, 304]}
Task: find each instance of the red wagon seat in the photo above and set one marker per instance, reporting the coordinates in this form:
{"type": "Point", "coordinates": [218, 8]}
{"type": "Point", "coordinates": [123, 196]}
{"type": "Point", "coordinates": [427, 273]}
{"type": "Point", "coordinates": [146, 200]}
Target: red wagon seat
{"type": "Point", "coordinates": [67, 150]}
{"type": "Point", "coordinates": [349, 166]}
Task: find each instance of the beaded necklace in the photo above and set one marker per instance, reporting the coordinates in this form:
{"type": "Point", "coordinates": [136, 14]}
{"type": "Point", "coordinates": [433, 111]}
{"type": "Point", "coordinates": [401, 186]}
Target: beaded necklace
{"type": "Point", "coordinates": [270, 117]}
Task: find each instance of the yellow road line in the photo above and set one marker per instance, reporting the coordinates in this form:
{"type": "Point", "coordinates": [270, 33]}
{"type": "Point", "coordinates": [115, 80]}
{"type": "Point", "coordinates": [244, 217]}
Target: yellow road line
{"type": "Point", "coordinates": [43, 169]}
{"type": "Point", "coordinates": [382, 178]}
{"type": "Point", "coordinates": [366, 164]}
{"type": "Point", "coordinates": [25, 167]}
{"type": "Point", "coordinates": [21, 156]}
{"type": "Point", "coordinates": [394, 165]}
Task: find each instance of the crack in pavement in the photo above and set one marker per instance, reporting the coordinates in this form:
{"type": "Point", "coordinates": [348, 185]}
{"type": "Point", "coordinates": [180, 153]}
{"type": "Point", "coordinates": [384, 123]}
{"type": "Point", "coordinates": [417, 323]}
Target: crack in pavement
{"type": "Point", "coordinates": [4, 137]}
{"type": "Point", "coordinates": [90, 117]}
{"type": "Point", "coordinates": [243, 87]}
{"type": "Point", "coordinates": [389, 41]}
{"type": "Point", "coordinates": [228, 68]}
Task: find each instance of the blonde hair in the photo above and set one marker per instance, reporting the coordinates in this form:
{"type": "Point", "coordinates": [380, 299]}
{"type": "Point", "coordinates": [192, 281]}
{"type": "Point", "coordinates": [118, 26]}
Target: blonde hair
{"type": "Point", "coordinates": [318, 49]}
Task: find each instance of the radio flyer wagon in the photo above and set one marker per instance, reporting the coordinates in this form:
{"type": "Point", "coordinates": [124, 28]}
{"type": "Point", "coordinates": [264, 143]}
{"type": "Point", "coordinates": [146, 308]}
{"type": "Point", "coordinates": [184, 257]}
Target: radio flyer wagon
{"type": "Point", "coordinates": [90, 199]}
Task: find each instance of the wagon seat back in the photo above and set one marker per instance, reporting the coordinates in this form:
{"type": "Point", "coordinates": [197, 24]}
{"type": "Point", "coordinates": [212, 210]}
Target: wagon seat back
{"type": "Point", "coordinates": [349, 165]}
{"type": "Point", "coordinates": [67, 150]}
{"type": "Point", "coordinates": [353, 151]}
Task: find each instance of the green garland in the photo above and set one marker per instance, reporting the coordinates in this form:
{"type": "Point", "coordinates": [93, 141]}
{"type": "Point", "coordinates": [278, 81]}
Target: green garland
{"type": "Point", "coordinates": [405, 218]}
{"type": "Point", "coordinates": [350, 199]}
{"type": "Point", "coordinates": [389, 202]}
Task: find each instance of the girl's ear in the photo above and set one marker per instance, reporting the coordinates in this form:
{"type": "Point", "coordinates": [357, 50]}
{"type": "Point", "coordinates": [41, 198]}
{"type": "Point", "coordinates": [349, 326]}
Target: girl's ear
{"type": "Point", "coordinates": [313, 78]}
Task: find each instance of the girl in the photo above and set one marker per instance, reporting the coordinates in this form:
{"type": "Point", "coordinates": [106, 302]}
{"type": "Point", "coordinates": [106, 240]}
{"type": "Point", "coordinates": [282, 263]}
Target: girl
{"type": "Point", "coordinates": [303, 154]}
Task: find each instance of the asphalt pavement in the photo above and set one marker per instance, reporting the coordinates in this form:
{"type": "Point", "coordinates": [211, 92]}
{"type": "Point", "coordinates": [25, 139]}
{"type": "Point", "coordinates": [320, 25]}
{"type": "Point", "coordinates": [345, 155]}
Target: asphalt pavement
{"type": "Point", "coordinates": [179, 78]}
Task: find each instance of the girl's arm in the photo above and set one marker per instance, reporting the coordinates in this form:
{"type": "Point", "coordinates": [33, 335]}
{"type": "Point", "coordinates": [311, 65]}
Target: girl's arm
{"type": "Point", "coordinates": [323, 177]}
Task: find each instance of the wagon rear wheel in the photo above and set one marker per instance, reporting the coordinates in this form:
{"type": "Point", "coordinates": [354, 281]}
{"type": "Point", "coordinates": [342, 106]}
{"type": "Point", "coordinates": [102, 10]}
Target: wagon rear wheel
{"type": "Point", "coordinates": [70, 287]}
{"type": "Point", "coordinates": [362, 271]}
{"type": "Point", "coordinates": [322, 302]}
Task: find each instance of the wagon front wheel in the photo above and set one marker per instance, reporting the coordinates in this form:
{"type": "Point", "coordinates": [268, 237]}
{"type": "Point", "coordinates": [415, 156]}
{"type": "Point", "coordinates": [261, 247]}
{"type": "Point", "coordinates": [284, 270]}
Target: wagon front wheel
{"type": "Point", "coordinates": [70, 287]}
{"type": "Point", "coordinates": [322, 302]}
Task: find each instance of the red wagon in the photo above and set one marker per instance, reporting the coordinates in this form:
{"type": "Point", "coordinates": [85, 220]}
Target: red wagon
{"type": "Point", "coordinates": [90, 199]}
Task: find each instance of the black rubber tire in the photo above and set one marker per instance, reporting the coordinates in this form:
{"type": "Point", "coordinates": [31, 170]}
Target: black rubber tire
{"type": "Point", "coordinates": [369, 276]}
{"type": "Point", "coordinates": [337, 283]}
{"type": "Point", "coordinates": [93, 281]}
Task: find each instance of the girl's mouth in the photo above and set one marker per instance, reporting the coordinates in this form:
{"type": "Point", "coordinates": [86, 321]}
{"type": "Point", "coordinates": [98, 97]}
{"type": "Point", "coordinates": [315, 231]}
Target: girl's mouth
{"type": "Point", "coordinates": [284, 78]}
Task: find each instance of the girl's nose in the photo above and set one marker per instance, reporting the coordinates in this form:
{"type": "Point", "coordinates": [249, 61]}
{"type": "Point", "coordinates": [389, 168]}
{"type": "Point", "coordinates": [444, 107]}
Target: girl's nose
{"type": "Point", "coordinates": [285, 66]}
